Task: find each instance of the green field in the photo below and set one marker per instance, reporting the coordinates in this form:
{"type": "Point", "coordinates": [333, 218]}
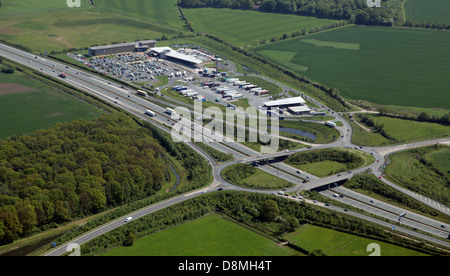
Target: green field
{"type": "Point", "coordinates": [409, 131]}
{"type": "Point", "coordinates": [259, 179]}
{"type": "Point", "coordinates": [160, 11]}
{"type": "Point", "coordinates": [27, 105]}
{"type": "Point", "coordinates": [427, 11]}
{"type": "Point", "coordinates": [322, 167]}
{"type": "Point", "coordinates": [335, 243]}
{"type": "Point", "coordinates": [242, 27]}
{"type": "Point", "coordinates": [49, 25]}
{"type": "Point", "coordinates": [388, 66]}
{"type": "Point", "coordinates": [407, 169]}
{"type": "Point", "coordinates": [441, 160]}
{"type": "Point", "coordinates": [207, 236]}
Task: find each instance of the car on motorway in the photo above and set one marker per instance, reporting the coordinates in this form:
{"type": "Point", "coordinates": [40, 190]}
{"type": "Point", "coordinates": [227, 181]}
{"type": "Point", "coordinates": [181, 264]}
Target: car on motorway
{"type": "Point", "coordinates": [128, 219]}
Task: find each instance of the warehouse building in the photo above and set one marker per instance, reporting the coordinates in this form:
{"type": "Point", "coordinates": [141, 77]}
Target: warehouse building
{"type": "Point", "coordinates": [295, 105]}
{"type": "Point", "coordinates": [140, 46]}
{"type": "Point", "coordinates": [170, 54]}
{"type": "Point", "coordinates": [299, 110]}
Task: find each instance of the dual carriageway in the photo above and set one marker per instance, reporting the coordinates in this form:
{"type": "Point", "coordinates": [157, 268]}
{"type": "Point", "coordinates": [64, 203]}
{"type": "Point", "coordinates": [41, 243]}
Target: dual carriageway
{"type": "Point", "coordinates": [128, 100]}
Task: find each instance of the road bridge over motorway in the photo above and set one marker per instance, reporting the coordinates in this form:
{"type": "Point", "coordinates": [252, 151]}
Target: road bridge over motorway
{"type": "Point", "coordinates": [135, 105]}
{"type": "Point", "coordinates": [264, 157]}
{"type": "Point", "coordinates": [327, 182]}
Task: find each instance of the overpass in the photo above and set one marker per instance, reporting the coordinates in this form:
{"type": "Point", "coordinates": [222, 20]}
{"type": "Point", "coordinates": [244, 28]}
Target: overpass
{"type": "Point", "coordinates": [327, 182]}
{"type": "Point", "coordinates": [263, 157]}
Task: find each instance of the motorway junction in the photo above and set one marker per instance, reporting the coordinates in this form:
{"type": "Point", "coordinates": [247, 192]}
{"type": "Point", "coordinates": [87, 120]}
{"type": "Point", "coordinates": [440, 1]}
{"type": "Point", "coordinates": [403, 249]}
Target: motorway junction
{"type": "Point", "coordinates": [128, 100]}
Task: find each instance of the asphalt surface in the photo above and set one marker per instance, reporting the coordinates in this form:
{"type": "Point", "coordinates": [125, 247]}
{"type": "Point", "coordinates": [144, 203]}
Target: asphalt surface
{"type": "Point", "coordinates": [127, 99]}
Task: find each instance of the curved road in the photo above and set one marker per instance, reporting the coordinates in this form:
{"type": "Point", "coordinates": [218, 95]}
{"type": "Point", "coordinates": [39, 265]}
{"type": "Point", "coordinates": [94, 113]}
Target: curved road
{"type": "Point", "coordinates": [102, 90]}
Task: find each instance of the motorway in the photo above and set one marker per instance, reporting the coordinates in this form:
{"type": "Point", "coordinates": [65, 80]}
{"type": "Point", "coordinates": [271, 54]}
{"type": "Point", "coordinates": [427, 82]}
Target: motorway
{"type": "Point", "coordinates": [127, 99]}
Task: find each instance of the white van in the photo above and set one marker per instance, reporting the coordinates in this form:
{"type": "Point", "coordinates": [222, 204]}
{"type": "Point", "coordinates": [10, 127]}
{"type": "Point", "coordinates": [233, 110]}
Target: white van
{"type": "Point", "coordinates": [128, 219]}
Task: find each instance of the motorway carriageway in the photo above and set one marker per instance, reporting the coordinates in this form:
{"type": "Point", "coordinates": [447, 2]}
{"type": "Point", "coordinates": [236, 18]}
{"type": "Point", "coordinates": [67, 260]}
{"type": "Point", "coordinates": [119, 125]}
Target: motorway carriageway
{"type": "Point", "coordinates": [111, 93]}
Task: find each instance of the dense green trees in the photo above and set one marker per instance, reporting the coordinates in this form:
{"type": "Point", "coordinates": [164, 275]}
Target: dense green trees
{"type": "Point", "coordinates": [239, 172]}
{"type": "Point", "coordinates": [269, 210]}
{"type": "Point", "coordinates": [77, 169]}
{"type": "Point", "coordinates": [352, 11]}
{"type": "Point", "coordinates": [248, 209]}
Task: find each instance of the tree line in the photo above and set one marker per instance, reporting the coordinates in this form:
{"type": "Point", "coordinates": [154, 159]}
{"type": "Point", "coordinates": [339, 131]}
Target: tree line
{"type": "Point", "coordinates": [378, 128]}
{"type": "Point", "coordinates": [265, 213]}
{"type": "Point", "coordinates": [236, 173]}
{"type": "Point", "coordinates": [422, 117]}
{"type": "Point", "coordinates": [369, 182]}
{"type": "Point", "coordinates": [7, 69]}
{"type": "Point", "coordinates": [431, 181]}
{"type": "Point", "coordinates": [81, 168]}
{"type": "Point", "coordinates": [357, 12]}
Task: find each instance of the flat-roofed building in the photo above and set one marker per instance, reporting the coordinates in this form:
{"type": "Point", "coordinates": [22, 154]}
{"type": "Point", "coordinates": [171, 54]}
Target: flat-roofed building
{"type": "Point", "coordinates": [299, 110]}
{"type": "Point", "coordinates": [139, 46]}
{"type": "Point", "coordinates": [170, 54]}
{"type": "Point", "coordinates": [284, 103]}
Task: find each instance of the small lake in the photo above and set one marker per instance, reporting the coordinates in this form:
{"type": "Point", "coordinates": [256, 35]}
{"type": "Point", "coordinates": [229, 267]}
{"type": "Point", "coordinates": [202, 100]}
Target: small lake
{"type": "Point", "coordinates": [298, 132]}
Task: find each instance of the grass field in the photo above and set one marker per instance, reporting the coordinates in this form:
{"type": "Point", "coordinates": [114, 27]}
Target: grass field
{"type": "Point", "coordinates": [335, 243]}
{"type": "Point", "coordinates": [207, 236]}
{"type": "Point", "coordinates": [323, 168]}
{"type": "Point", "coordinates": [261, 180]}
{"type": "Point", "coordinates": [408, 131]}
{"type": "Point", "coordinates": [441, 159]}
{"type": "Point", "coordinates": [328, 167]}
{"type": "Point", "coordinates": [389, 66]}
{"type": "Point", "coordinates": [27, 105]}
{"type": "Point", "coordinates": [49, 25]}
{"type": "Point", "coordinates": [242, 27]}
{"type": "Point", "coordinates": [406, 169]}
{"type": "Point", "coordinates": [160, 11]}
{"type": "Point", "coordinates": [427, 11]}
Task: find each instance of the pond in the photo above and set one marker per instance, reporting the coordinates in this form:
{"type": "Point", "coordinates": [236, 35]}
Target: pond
{"type": "Point", "coordinates": [298, 132]}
